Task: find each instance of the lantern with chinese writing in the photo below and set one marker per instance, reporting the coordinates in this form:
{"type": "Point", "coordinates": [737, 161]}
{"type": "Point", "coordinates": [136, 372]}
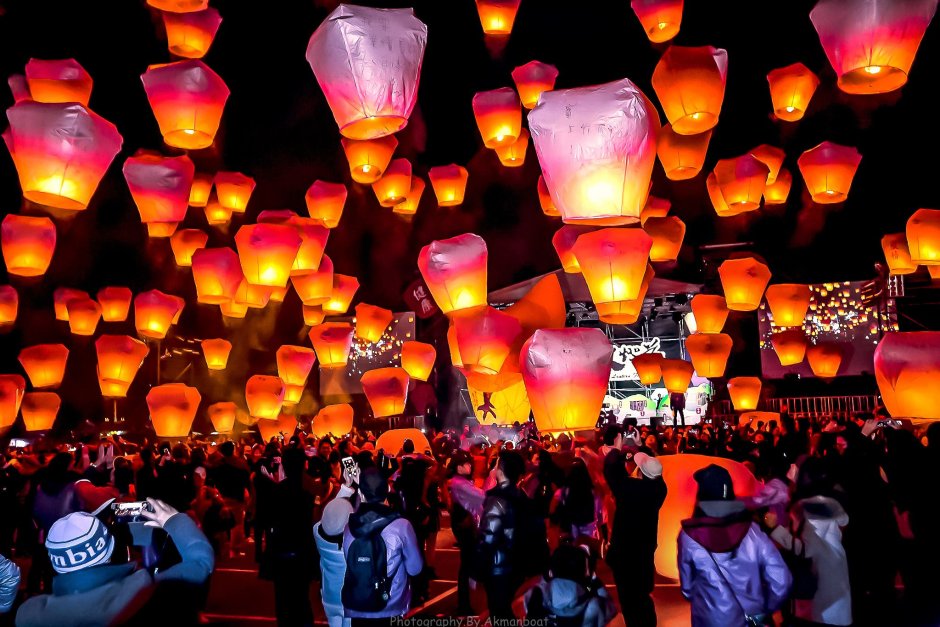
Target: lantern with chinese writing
{"type": "Point", "coordinates": [497, 16]}
{"type": "Point", "coordinates": [897, 254]}
{"type": "Point", "coordinates": [12, 388]}
{"type": "Point", "coordinates": [485, 337]}
{"type": "Point", "coordinates": [598, 176]}
{"type": "Point", "coordinates": [267, 253]}
{"type": "Point", "coordinates": [189, 35]}
{"type": "Point", "coordinates": [790, 346]}
{"type": "Point", "coordinates": [187, 99]}
{"type": "Point", "coordinates": [513, 155]}
{"type": "Point", "coordinates": [60, 150]}
{"type": "Point", "coordinates": [545, 199]}
{"type": "Point", "coordinates": [744, 392]}
{"type": "Point", "coordinates": [59, 80]}
{"type": "Point", "coordinates": [498, 116]}
{"type": "Point", "coordinates": [264, 396]}
{"type": "Point", "coordinates": [325, 202]}
{"type": "Point", "coordinates": [332, 420]}
{"type": "Point", "coordinates": [907, 369]}
{"type": "Point", "coordinates": [386, 389]}
{"type": "Point", "coordinates": [824, 359]}
{"type": "Point", "coordinates": [184, 243]}
{"type": "Point", "coordinates": [566, 373]}
{"type": "Point", "coordinates": [395, 184]}
{"type": "Point", "coordinates": [532, 79]}
{"type": "Point", "coordinates": [39, 410]}
{"type": "Point", "coordinates": [923, 237]}
{"type": "Point", "coordinates": [449, 183]}
{"type": "Point", "coordinates": [410, 205]}
{"type": "Point", "coordinates": [44, 364]}
{"type": "Point", "coordinates": [371, 91]}
{"type": "Point", "coordinates": [9, 304]}
{"type": "Point", "coordinates": [84, 314]}
{"type": "Point", "coordinates": [28, 244]}
{"type": "Point", "coordinates": [690, 85]}
{"type": "Point", "coordinates": [160, 186]}
{"type": "Point", "coordinates": [710, 312]}
{"type": "Point", "coordinates": [667, 234]}
{"type": "Point", "coordinates": [216, 352]}
{"type": "Point", "coordinates": [119, 359]}
{"type": "Point", "coordinates": [828, 170]}
{"type": "Point", "coordinates": [61, 298]}
{"type": "Point", "coordinates": [791, 89]}
{"type": "Point", "coordinates": [283, 427]}
{"type": "Point", "coordinates": [743, 281]}
{"type": "Point", "coordinates": [316, 286]}
{"type": "Point", "coordinates": [613, 262]}
{"type": "Point", "coordinates": [293, 367]}
{"type": "Point", "coordinates": [788, 303]}
{"type": "Point", "coordinates": [709, 353]}
{"type": "Point", "coordinates": [649, 367]}
{"type": "Point", "coordinates": [455, 272]}
{"type": "Point", "coordinates": [332, 342]}
{"type": "Point", "coordinates": [626, 311]}
{"type": "Point", "coordinates": [368, 158]}
{"type": "Point", "coordinates": [417, 358]}
{"type": "Point", "coordinates": [677, 375]}
{"type": "Point", "coordinates": [155, 312]}
{"type": "Point", "coordinates": [564, 240]}
{"type": "Point", "coordinates": [741, 182]}
{"type": "Point", "coordinates": [659, 18]}
{"type": "Point", "coordinates": [222, 416]}
{"type": "Point", "coordinates": [393, 440]}
{"type": "Point", "coordinates": [199, 192]}
{"type": "Point", "coordinates": [344, 288]}
{"type": "Point", "coordinates": [871, 43]}
{"type": "Point", "coordinates": [776, 193]}
{"type": "Point", "coordinates": [217, 273]}
{"type": "Point", "coordinates": [682, 156]}
{"type": "Point", "coordinates": [172, 409]}
{"type": "Point", "coordinates": [371, 322]}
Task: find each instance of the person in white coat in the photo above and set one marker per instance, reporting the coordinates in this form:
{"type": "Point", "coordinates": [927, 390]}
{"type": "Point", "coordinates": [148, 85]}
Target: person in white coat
{"type": "Point", "coordinates": [328, 534]}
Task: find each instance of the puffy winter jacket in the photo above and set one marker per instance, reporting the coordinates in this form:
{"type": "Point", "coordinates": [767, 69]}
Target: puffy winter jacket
{"type": "Point", "coordinates": [9, 583]}
{"type": "Point", "coordinates": [333, 571]}
{"type": "Point", "coordinates": [570, 603]}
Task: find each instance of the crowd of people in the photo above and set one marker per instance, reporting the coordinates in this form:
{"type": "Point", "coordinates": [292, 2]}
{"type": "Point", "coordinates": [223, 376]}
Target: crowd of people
{"type": "Point", "coordinates": [842, 529]}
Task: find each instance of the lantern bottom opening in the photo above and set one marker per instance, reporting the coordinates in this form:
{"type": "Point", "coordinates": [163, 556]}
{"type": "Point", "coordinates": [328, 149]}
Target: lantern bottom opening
{"type": "Point", "coordinates": [789, 114]}
{"type": "Point", "coordinates": [161, 229]}
{"type": "Point", "coordinates": [365, 174]}
{"type": "Point", "coordinates": [661, 32]}
{"type": "Point", "coordinates": [188, 138]}
{"type": "Point", "coordinates": [391, 201]}
{"type": "Point", "coordinates": [50, 199]}
{"type": "Point", "coordinates": [683, 173]}
{"type": "Point", "coordinates": [374, 126]}
{"type": "Point", "coordinates": [695, 123]}
{"type": "Point", "coordinates": [188, 52]}
{"type": "Point", "coordinates": [617, 220]}
{"type": "Point", "coordinates": [742, 306]}
{"type": "Point", "coordinates": [498, 141]}
{"type": "Point", "coordinates": [829, 197]}
{"type": "Point", "coordinates": [872, 79]}
{"type": "Point", "coordinates": [27, 271]}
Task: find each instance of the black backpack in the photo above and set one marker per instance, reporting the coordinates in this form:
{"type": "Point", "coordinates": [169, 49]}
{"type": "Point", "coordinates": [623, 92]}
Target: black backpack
{"type": "Point", "coordinates": [367, 584]}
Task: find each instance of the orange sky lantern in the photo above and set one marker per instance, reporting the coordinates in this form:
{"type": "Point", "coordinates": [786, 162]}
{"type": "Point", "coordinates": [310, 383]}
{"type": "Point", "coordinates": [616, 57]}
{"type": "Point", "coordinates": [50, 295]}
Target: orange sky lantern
{"type": "Point", "coordinates": [613, 262]}
{"type": "Point", "coordinates": [609, 181]}
{"type": "Point", "coordinates": [744, 392]}
{"type": "Point", "coordinates": [28, 244]}
{"type": "Point", "coordinates": [417, 358]}
{"type": "Point", "coordinates": [332, 342]}
{"type": "Point", "coordinates": [58, 80]}
{"type": "Point", "coordinates": [498, 116]}
{"type": "Point", "coordinates": [655, 208]}
{"type": "Point", "coordinates": [184, 243]}
{"type": "Point", "coordinates": [545, 199]}
{"type": "Point", "coordinates": [190, 35]}
{"type": "Point", "coordinates": [216, 214]}
{"type": "Point", "coordinates": [667, 234]}
{"type": "Point", "coordinates": [649, 367]}
{"type": "Point", "coordinates": [160, 186]}
{"type": "Point", "coordinates": [677, 375]}
{"type": "Point", "coordinates": [564, 240]}
{"type": "Point", "coordinates": [234, 189]}
{"type": "Point", "coordinates": [682, 156]}
{"type": "Point", "coordinates": [690, 85]}
{"type": "Point", "coordinates": [325, 202]}
{"type": "Point", "coordinates": [776, 193]}
{"type": "Point", "coordinates": [392, 441]}
{"type": "Point", "coordinates": [741, 182]}
{"type": "Point", "coordinates": [12, 388]}
{"type": "Point", "coordinates": [897, 254]}
{"type": "Point", "coordinates": [344, 289]}
{"type": "Point", "coordinates": [201, 189]}
{"type": "Point", "coordinates": [40, 410]}
{"type": "Point", "coordinates": [217, 273]}
{"type": "Point", "coordinates": [294, 364]}
{"type": "Point", "coordinates": [743, 281]}
{"type": "Point", "coordinates": [532, 79]}
{"type": "Point", "coordinates": [371, 322]}
{"type": "Point", "coordinates": [497, 16]}
{"type": "Point", "coordinates": [264, 396]}
{"type": "Point", "coordinates": [788, 303]}
{"type": "Point", "coordinates": [44, 364]}
{"type": "Point", "coordinates": [485, 337]}
{"type": "Point", "coordinates": [283, 427]}
{"type": "Point", "coordinates": [179, 6]}
{"type": "Point", "coordinates": [267, 253]}
{"type": "Point", "coordinates": [154, 313]}
{"type": "Point", "coordinates": [513, 155]}
{"type": "Point", "coordinates": [660, 18]}
{"type": "Point", "coordinates": [455, 272]}
{"type": "Point", "coordinates": [824, 359]}
{"type": "Point", "coordinates": [187, 99]}
{"type": "Point", "coordinates": [449, 183]}
{"type": "Point", "coordinates": [718, 201]}
{"type": "Point", "coordinates": [61, 298]}
{"type": "Point", "coordinates": [907, 369]}
{"type": "Point", "coordinates": [772, 157]}
{"type": "Point", "coordinates": [790, 346]}
{"type": "Point", "coordinates": [453, 349]}
{"type": "Point", "coordinates": [828, 170]}
{"type": "Point", "coordinates": [313, 238]}
{"type": "Point", "coordinates": [216, 352]}
{"type": "Point", "coordinates": [119, 359]}
{"type": "Point", "coordinates": [368, 158]}
{"type": "Point", "coordinates": [316, 286]}
{"type": "Point", "coordinates": [626, 311]}
{"type": "Point", "coordinates": [9, 304]}
{"type": "Point", "coordinates": [709, 353]}
{"type": "Point", "coordinates": [173, 407]}
{"type": "Point", "coordinates": [161, 229]}
{"type": "Point", "coordinates": [84, 314]}
{"type": "Point", "coordinates": [791, 89]}
{"type": "Point", "coordinates": [222, 416]}
{"type": "Point", "coordinates": [252, 296]}
{"type": "Point", "coordinates": [710, 312]}
{"type": "Point", "coordinates": [395, 183]}
{"type": "Point", "coordinates": [410, 205]}
{"type": "Point", "coordinates": [923, 237]}
{"type": "Point", "coordinates": [233, 309]}
{"type": "Point", "coordinates": [386, 389]}
{"type": "Point", "coordinates": [333, 420]}
{"type": "Point", "coordinates": [313, 315]}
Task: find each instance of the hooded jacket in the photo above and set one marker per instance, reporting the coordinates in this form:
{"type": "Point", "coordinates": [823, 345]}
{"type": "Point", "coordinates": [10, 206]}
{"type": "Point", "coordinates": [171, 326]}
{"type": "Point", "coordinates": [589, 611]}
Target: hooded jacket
{"type": "Point", "coordinates": [753, 580]}
{"type": "Point", "coordinates": [9, 583]}
{"type": "Point", "coordinates": [333, 571]}
{"type": "Point", "coordinates": [570, 603]}
{"type": "Point", "coordinates": [403, 556]}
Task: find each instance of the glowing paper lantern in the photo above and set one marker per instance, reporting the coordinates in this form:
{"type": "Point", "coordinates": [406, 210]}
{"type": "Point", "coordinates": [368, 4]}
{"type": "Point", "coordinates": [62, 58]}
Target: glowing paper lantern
{"type": "Point", "coordinates": [216, 352]}
{"type": "Point", "coordinates": [791, 89]}
{"type": "Point", "coordinates": [417, 358]}
{"type": "Point", "coordinates": [368, 159]}
{"type": "Point", "coordinates": [160, 186]}
{"type": "Point", "coordinates": [449, 183]}
{"type": "Point", "coordinates": [28, 244]}
{"type": "Point", "coordinates": [710, 311]}
{"type": "Point", "coordinates": [545, 199]}
{"type": "Point", "coordinates": [252, 296]}
{"type": "Point", "coordinates": [325, 202]}
{"type": "Point", "coordinates": [61, 298]}
{"type": "Point", "coordinates": [283, 427]}
{"type": "Point", "coordinates": [84, 314]}
{"type": "Point", "coordinates": [12, 388]}
{"type": "Point", "coordinates": [216, 214]}
{"type": "Point", "coordinates": [386, 389]}
{"type": "Point", "coordinates": [907, 369]}
{"type": "Point", "coordinates": [39, 410]}
{"type": "Point", "coordinates": [613, 262]}
{"type": "Point", "coordinates": [655, 208]}
{"type": "Point", "coordinates": [313, 237]}
{"type": "Point", "coordinates": [923, 237]}
{"type": "Point", "coordinates": [498, 116]}
{"type": "Point", "coordinates": [199, 192]}
{"type": "Point", "coordinates": [828, 170]}
{"type": "Point", "coordinates": [513, 155]}
{"type": "Point", "coordinates": [667, 234]}
{"type": "Point", "coordinates": [172, 409]}
{"type": "Point", "coordinates": [44, 364]}
{"type": "Point", "coordinates": [344, 289]}
{"type": "Point", "coordinates": [264, 396]}
{"type": "Point", "coordinates": [267, 253]}
{"type": "Point", "coordinates": [395, 184]}
{"type": "Point", "coordinates": [60, 150]}
{"type": "Point", "coordinates": [455, 272]}
{"type": "Point", "coordinates": [332, 342]}
{"type": "Point", "coordinates": [566, 373]}
{"type": "Point", "coordinates": [659, 18]}
{"type": "Point", "coordinates": [233, 190]}
{"type": "Point", "coordinates": [293, 367]}
{"type": "Point", "coordinates": [313, 315]}
{"type": "Point", "coordinates": [185, 243]}
{"type": "Point", "coordinates": [776, 193]}
{"type": "Point", "coordinates": [233, 308]}
{"type": "Point", "coordinates": [222, 416]}
{"type": "Point", "coordinates": [788, 303]}
{"type": "Point", "coordinates": [497, 16]}
{"type": "Point", "coordinates": [744, 392]}
{"type": "Point", "coordinates": [532, 79]}
{"type": "Point", "coordinates": [718, 201]}
{"type": "Point", "coordinates": [690, 85]}
{"type": "Point", "coordinates": [682, 156]}
{"type": "Point", "coordinates": [154, 313]}
{"type": "Point", "coordinates": [410, 205]}
{"type": "Point", "coordinates": [187, 99]}
{"type": "Point", "coordinates": [373, 90]}
{"type": "Point", "coordinates": [59, 80]}
{"type": "Point", "coordinates": [743, 281]}
{"type": "Point", "coordinates": [9, 304]}
{"type": "Point", "coordinates": [772, 157]}
{"type": "Point", "coordinates": [332, 420]}
{"type": "Point", "coordinates": [709, 353]}
{"type": "Point", "coordinates": [217, 273]}
{"type": "Point", "coordinates": [564, 240]}
{"type": "Point", "coordinates": [677, 375]}
{"type": "Point", "coordinates": [649, 367]}
{"type": "Point", "coordinates": [824, 359]}
{"type": "Point", "coordinates": [741, 182]}
{"type": "Point", "coordinates": [190, 35]}
{"type": "Point", "coordinates": [371, 322]}
{"type": "Point", "coordinates": [790, 346]}
{"type": "Point", "coordinates": [393, 440]}
{"type": "Point", "coordinates": [484, 338]}
{"type": "Point", "coordinates": [119, 359]}
{"type": "Point", "coordinates": [455, 359]}
{"type": "Point", "coordinates": [600, 178]}
{"type": "Point", "coordinates": [626, 311]}
{"type": "Point", "coordinates": [161, 229]}
{"type": "Point", "coordinates": [871, 43]}
{"type": "Point", "coordinates": [179, 6]}
{"type": "Point", "coordinates": [316, 286]}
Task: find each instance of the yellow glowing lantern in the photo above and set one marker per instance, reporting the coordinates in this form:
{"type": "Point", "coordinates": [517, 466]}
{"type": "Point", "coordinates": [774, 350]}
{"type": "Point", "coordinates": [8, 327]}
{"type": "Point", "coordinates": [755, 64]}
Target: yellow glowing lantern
{"type": "Point", "coordinates": [222, 416]}
{"type": "Point", "coordinates": [313, 236]}
{"type": "Point", "coordinates": [788, 303]}
{"type": "Point", "coordinates": [61, 298]}
{"type": "Point", "coordinates": [119, 359]}
{"type": "Point", "coordinates": [907, 369]}
{"type": "Point", "coordinates": [264, 396]}
{"type": "Point", "coordinates": [278, 294]}
{"type": "Point", "coordinates": [498, 116]}
{"type": "Point", "coordinates": [233, 190]}
{"type": "Point", "coordinates": [790, 346]}
{"type": "Point", "coordinates": [897, 254]}
{"type": "Point", "coordinates": [217, 273]}
{"type": "Point", "coordinates": [59, 80]}
{"type": "Point", "coordinates": [28, 244]}
{"type": "Point", "coordinates": [267, 253]}
{"type": "Point", "coordinates": [410, 205]}
{"type": "Point", "coordinates": [332, 342]}
{"type": "Point", "coordinates": [649, 367]}
{"type": "Point", "coordinates": [216, 352]}
{"type": "Point", "coordinates": [744, 392]}
{"type": "Point", "coordinates": [710, 312]}
{"type": "Point", "coordinates": [743, 281]}
{"type": "Point", "coordinates": [313, 315]}
{"type": "Point", "coordinates": [393, 440]}
{"type": "Point", "coordinates": [677, 375]}
{"type": "Point", "coordinates": [344, 289]}
{"type": "Point", "coordinates": [828, 170]}
{"type": "Point", "coordinates": [234, 309]}
{"type": "Point", "coordinates": [84, 314]}
{"type": "Point", "coordinates": [293, 367]}
{"type": "Point", "coordinates": [690, 85]}
{"type": "Point", "coordinates": [682, 156]}
{"type": "Point", "coordinates": [154, 313]}
{"type": "Point", "coordinates": [333, 420]}
{"type": "Point", "coordinates": [417, 358]}
{"type": "Point", "coordinates": [626, 311]}
{"type": "Point", "coordinates": [368, 158]}
{"type": "Point", "coordinates": [161, 229]}
{"type": "Point", "coordinates": [216, 214]}
{"type": "Point", "coordinates": [455, 272]}
{"type": "Point", "coordinates": [190, 35]}
{"type": "Point", "coordinates": [9, 304]}
{"type": "Point", "coordinates": [532, 79]}
{"type": "Point", "coordinates": [613, 262]}
{"type": "Point", "coordinates": [923, 237]}
{"type": "Point", "coordinates": [659, 18]}
{"type": "Point", "coordinates": [173, 407]}
{"type": "Point", "coordinates": [371, 322]}
{"type": "Point", "coordinates": [497, 16]}
{"type": "Point", "coordinates": [564, 240]}
{"type": "Point", "coordinates": [772, 157]}
{"type": "Point", "coordinates": [449, 183]}
{"type": "Point", "coordinates": [201, 189]}
{"type": "Point", "coordinates": [40, 410]}
{"type": "Point", "coordinates": [709, 353]}
{"type": "Point", "coordinates": [325, 202]}
{"type": "Point", "coordinates": [513, 155]}
{"type": "Point", "coordinates": [741, 182]}
{"type": "Point", "coordinates": [12, 388]}
{"type": "Point", "coordinates": [791, 89]}
{"type": "Point", "coordinates": [386, 389]}
{"type": "Point", "coordinates": [667, 234]}
{"type": "Point", "coordinates": [316, 286]}
{"type": "Point", "coordinates": [187, 99]}
{"type": "Point", "coordinates": [160, 187]}
{"type": "Point", "coordinates": [179, 6]}
{"type": "Point", "coordinates": [184, 243]}
{"type": "Point", "coordinates": [485, 338]}
{"type": "Point", "coordinates": [283, 427]}
{"type": "Point", "coordinates": [44, 364]}
{"type": "Point", "coordinates": [545, 199]}
{"type": "Point", "coordinates": [395, 184]}
{"type": "Point", "coordinates": [252, 296]}
{"type": "Point", "coordinates": [824, 359]}
{"type": "Point", "coordinates": [776, 193]}
{"type": "Point", "coordinates": [718, 201]}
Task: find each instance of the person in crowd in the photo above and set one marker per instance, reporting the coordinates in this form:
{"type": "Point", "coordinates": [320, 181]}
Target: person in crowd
{"type": "Point", "coordinates": [466, 508]}
{"type": "Point", "coordinates": [232, 479]}
{"type": "Point", "coordinates": [577, 508]}
{"type": "Point", "coordinates": [328, 535]}
{"type": "Point", "coordinates": [729, 570]}
{"type": "Point", "coordinates": [677, 405]}
{"type": "Point", "coordinates": [9, 584]}
{"type": "Point", "coordinates": [570, 594]}
{"type": "Point", "coordinates": [175, 484]}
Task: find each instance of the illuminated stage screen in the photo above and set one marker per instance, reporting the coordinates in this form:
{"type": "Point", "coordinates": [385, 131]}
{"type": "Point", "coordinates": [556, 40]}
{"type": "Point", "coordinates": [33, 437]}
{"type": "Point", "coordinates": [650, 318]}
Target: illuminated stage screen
{"type": "Point", "coordinates": [366, 356]}
{"type": "Point", "coordinates": [836, 314]}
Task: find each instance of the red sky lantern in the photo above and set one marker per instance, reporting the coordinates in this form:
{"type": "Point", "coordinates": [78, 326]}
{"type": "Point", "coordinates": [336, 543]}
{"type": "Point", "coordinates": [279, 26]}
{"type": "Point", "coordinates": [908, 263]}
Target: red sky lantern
{"type": "Point", "coordinates": [373, 90]}
{"type": "Point", "coordinates": [513, 155]}
{"type": "Point", "coordinates": [344, 289]}
{"type": "Point", "coordinates": [545, 199]}
{"type": "Point", "coordinates": [788, 303]}
{"type": "Point", "coordinates": [772, 157]}
{"type": "Point", "coordinates": [84, 314]}
{"type": "Point", "coordinates": [333, 420]}
{"type": "Point", "coordinates": [790, 346]}
{"type": "Point", "coordinates": [27, 243]}
{"type": "Point", "coordinates": [386, 389]}
{"type": "Point", "coordinates": [613, 262]}
{"type": "Point", "coordinates": [741, 182]}
{"type": "Point", "coordinates": [660, 18]}
{"type": "Point", "coordinates": [449, 183]}
{"type": "Point", "coordinates": [649, 367]}
{"type": "Point", "coordinates": [371, 322]}
{"type": "Point", "coordinates": [44, 364]}
{"type": "Point", "coordinates": [187, 99]}
{"type": "Point", "coordinates": [655, 208]}
{"type": "Point", "coordinates": [294, 364]}
{"type": "Point", "coordinates": [498, 116]}
{"type": "Point", "coordinates": [9, 304]}
{"type": "Point", "coordinates": [710, 312]}
{"type": "Point", "coordinates": [824, 359]}
{"type": "Point", "coordinates": [369, 158]}
{"type": "Point", "coordinates": [776, 193]}
{"type": "Point", "coordinates": [60, 300]}
{"type": "Point", "coordinates": [744, 392]}
{"type": "Point", "coordinates": [190, 35]}
{"type": "Point", "coordinates": [332, 342]}
{"type": "Point", "coordinates": [923, 237]}
{"type": "Point", "coordinates": [58, 80]}
{"type": "Point", "coordinates": [677, 375]}
{"type": "Point", "coordinates": [40, 410]}
{"type": "Point", "coordinates": [455, 272]}
{"type": "Point", "coordinates": [119, 359]}
{"type": "Point", "coordinates": [160, 186]}
{"type": "Point", "coordinates": [682, 156]}
{"type": "Point", "coordinates": [185, 243]}
{"type": "Point", "coordinates": [532, 79]}
{"type": "Point", "coordinates": [325, 202]}
{"type": "Point", "coordinates": [743, 281]}
{"type": "Point", "coordinates": [222, 416]}
{"type": "Point", "coordinates": [12, 388]}
{"type": "Point", "coordinates": [709, 353]}
{"type": "Point", "coordinates": [264, 396]}
{"type": "Point", "coordinates": [173, 407]}
{"type": "Point", "coordinates": [316, 286]}
{"type": "Point", "coordinates": [267, 253]}
{"type": "Point", "coordinates": [395, 184]}
{"type": "Point", "coordinates": [216, 352]}
{"type": "Point", "coordinates": [497, 16]}
{"type": "Point", "coordinates": [791, 89]}
{"type": "Point", "coordinates": [199, 192]}
{"type": "Point", "coordinates": [690, 85]}
{"type": "Point", "coordinates": [410, 205]}
{"type": "Point", "coordinates": [828, 170]}
{"type": "Point", "coordinates": [485, 338]}
{"type": "Point", "coordinates": [154, 313]}
{"type": "Point", "coordinates": [667, 234]}
{"type": "Point", "coordinates": [907, 369]}
{"type": "Point", "coordinates": [217, 273]}
{"type": "Point", "coordinates": [417, 358]}
{"type": "Point", "coordinates": [233, 190]}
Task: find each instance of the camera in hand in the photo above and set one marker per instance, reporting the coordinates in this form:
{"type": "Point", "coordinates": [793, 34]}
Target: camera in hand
{"type": "Point", "coordinates": [130, 512]}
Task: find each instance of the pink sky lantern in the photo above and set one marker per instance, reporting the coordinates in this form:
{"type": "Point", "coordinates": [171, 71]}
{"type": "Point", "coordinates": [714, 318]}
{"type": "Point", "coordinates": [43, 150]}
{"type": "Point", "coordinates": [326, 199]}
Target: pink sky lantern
{"type": "Point", "coordinates": [314, 287]}
{"type": "Point", "coordinates": [313, 238]}
{"type": "Point", "coordinates": [160, 186]}
{"type": "Point", "coordinates": [454, 270]}
{"type": "Point", "coordinates": [28, 244]}
{"type": "Point", "coordinates": [325, 202]}
{"type": "Point", "coordinates": [566, 373]}
{"type": "Point", "coordinates": [791, 89]}
{"type": "Point", "coordinates": [332, 342]}
{"type": "Point", "coordinates": [368, 64]}
{"type": "Point", "coordinates": [741, 182]}
{"type": "Point", "coordinates": [828, 170]}
{"type": "Point", "coordinates": [498, 116]}
{"type": "Point", "coordinates": [187, 99]}
{"type": "Point", "coordinates": [485, 338]}
{"type": "Point", "coordinates": [12, 389]}
{"type": "Point", "coordinates": [9, 304]}
{"type": "Point", "coordinates": [600, 172]}
{"type": "Point", "coordinates": [532, 79]}
{"type": "Point", "coordinates": [217, 273]}
{"type": "Point", "coordinates": [386, 389]}
{"type": "Point", "coordinates": [690, 85]}
{"type": "Point", "coordinates": [660, 18]}
{"type": "Point", "coordinates": [907, 369]}
{"type": "Point", "coordinates": [267, 253]}
{"type": "Point", "coordinates": [173, 407]}
{"type": "Point", "coordinates": [155, 312]}
{"type": "Point", "coordinates": [871, 44]}
{"type": "Point", "coordinates": [190, 35]}
{"type": "Point", "coordinates": [59, 80]}
{"type": "Point", "coordinates": [61, 151]}
{"type": "Point", "coordinates": [61, 298]}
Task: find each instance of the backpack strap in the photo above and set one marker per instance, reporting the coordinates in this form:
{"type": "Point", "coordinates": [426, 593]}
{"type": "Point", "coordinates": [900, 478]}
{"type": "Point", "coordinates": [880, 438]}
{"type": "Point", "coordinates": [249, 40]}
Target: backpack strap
{"type": "Point", "coordinates": [747, 617]}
